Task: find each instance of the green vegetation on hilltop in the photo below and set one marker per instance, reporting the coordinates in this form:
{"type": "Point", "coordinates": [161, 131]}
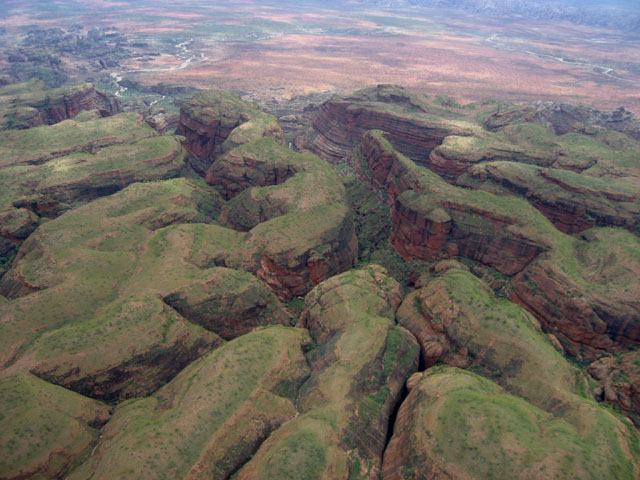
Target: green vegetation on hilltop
{"type": "Point", "coordinates": [41, 423]}
{"type": "Point", "coordinates": [467, 425]}
{"type": "Point", "coordinates": [358, 366]}
{"type": "Point", "coordinates": [40, 144]}
{"type": "Point", "coordinates": [165, 298]}
{"type": "Point", "coordinates": [216, 407]}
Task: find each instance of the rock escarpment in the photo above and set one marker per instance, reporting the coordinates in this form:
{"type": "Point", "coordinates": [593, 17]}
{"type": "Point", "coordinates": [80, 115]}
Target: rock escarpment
{"type": "Point", "coordinates": [407, 119]}
{"type": "Point", "coordinates": [345, 405]}
{"type": "Point", "coordinates": [572, 202]}
{"type": "Point", "coordinates": [165, 298]}
{"type": "Point", "coordinates": [589, 303]}
{"type": "Point", "coordinates": [208, 119]}
{"type": "Point", "coordinates": [26, 105]}
{"type": "Point", "coordinates": [564, 118]}
{"type": "Point", "coordinates": [443, 425]}
{"type": "Point", "coordinates": [295, 242]}
{"type": "Point", "coordinates": [432, 220]}
{"type": "Point", "coordinates": [576, 165]}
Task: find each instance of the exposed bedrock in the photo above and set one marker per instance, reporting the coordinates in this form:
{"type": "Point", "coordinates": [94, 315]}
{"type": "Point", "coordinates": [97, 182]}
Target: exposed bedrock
{"type": "Point", "coordinates": [345, 405]}
{"type": "Point", "coordinates": [432, 219]}
{"type": "Point", "coordinates": [564, 118]}
{"type": "Point", "coordinates": [221, 409]}
{"type": "Point", "coordinates": [589, 317]}
{"type": "Point", "coordinates": [50, 169]}
{"type": "Point", "coordinates": [572, 202]}
{"type": "Point", "coordinates": [251, 167]}
{"type": "Point", "coordinates": [443, 433]}
{"type": "Point", "coordinates": [619, 378]}
{"type": "Point", "coordinates": [588, 303]}
{"type": "Point", "coordinates": [35, 106]}
{"type": "Point", "coordinates": [208, 119]}
{"type": "Point", "coordinates": [291, 204]}
{"type": "Point", "coordinates": [228, 302]}
{"type": "Point", "coordinates": [341, 123]}
{"type": "Point", "coordinates": [457, 425]}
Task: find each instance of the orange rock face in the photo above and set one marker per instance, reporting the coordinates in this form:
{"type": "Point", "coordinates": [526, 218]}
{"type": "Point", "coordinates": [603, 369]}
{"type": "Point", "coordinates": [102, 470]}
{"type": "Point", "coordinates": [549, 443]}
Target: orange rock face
{"type": "Point", "coordinates": [446, 228]}
{"type": "Point", "coordinates": [586, 324]}
{"type": "Point", "coordinates": [341, 123]}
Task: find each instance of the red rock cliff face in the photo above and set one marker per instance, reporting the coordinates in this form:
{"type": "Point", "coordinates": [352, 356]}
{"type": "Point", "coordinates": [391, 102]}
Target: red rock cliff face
{"type": "Point", "coordinates": [65, 103]}
{"type": "Point", "coordinates": [430, 226]}
{"type": "Point", "coordinates": [587, 324]}
{"type": "Point", "coordinates": [209, 122]}
{"type": "Point", "coordinates": [205, 133]}
{"type": "Point", "coordinates": [241, 170]}
{"type": "Point", "coordinates": [86, 98]}
{"type": "Point", "coordinates": [340, 125]}
{"type": "Point", "coordinates": [571, 208]}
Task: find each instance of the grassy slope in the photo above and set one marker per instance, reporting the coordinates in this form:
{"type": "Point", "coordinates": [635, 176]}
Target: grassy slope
{"type": "Point", "coordinates": [358, 367]}
{"type": "Point", "coordinates": [41, 423]}
{"type": "Point", "coordinates": [503, 343]}
{"type": "Point", "coordinates": [212, 407]}
{"type": "Point", "coordinates": [467, 425]}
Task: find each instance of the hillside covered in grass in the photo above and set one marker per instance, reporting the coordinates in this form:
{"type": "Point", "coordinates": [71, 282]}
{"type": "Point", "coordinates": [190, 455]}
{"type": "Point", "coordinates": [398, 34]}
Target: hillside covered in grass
{"type": "Point", "coordinates": [419, 289]}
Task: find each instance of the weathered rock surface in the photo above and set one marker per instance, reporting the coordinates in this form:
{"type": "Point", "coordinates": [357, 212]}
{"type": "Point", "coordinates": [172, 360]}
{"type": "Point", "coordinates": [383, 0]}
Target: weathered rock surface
{"type": "Point", "coordinates": [345, 405]}
{"type": "Point", "coordinates": [260, 163]}
{"type": "Point", "coordinates": [585, 292]}
{"type": "Point", "coordinates": [292, 205]}
{"type": "Point", "coordinates": [572, 202]}
{"type": "Point", "coordinates": [565, 283]}
{"type": "Point", "coordinates": [47, 170]}
{"type": "Point", "coordinates": [619, 378]}
{"type": "Point", "coordinates": [458, 321]}
{"type": "Point", "coordinates": [208, 119]}
{"type": "Point", "coordinates": [209, 420]}
{"type": "Point", "coordinates": [82, 295]}
{"type": "Point", "coordinates": [432, 219]}
{"type": "Point", "coordinates": [406, 119]}
{"type": "Point", "coordinates": [457, 425]}
{"type": "Point", "coordinates": [564, 118]}
{"type": "Point", "coordinates": [228, 302]}
{"type": "Point", "coordinates": [26, 105]}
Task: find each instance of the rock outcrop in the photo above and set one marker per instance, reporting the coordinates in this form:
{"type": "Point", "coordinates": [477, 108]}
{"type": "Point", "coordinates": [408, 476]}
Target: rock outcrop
{"type": "Point", "coordinates": [47, 170]}
{"type": "Point", "coordinates": [228, 302]}
{"type": "Point", "coordinates": [564, 118]}
{"type": "Point", "coordinates": [208, 119]}
{"type": "Point", "coordinates": [221, 408]}
{"type": "Point", "coordinates": [455, 424]}
{"type": "Point", "coordinates": [590, 304]}
{"type": "Point", "coordinates": [619, 378]}
{"type": "Point", "coordinates": [572, 202]}
{"type": "Point", "coordinates": [341, 123]}
{"type": "Point", "coordinates": [346, 403]}
{"type": "Point", "coordinates": [294, 242]}
{"type": "Point", "coordinates": [27, 105]}
{"type": "Point", "coordinates": [432, 219]}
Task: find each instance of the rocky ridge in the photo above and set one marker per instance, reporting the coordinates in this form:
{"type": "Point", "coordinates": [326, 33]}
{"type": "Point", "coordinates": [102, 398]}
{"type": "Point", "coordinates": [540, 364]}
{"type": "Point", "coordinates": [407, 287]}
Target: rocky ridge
{"type": "Point", "coordinates": [26, 105]}
{"type": "Point", "coordinates": [195, 309]}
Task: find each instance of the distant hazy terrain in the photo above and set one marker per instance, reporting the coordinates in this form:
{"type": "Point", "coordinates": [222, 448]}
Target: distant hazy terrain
{"type": "Point", "coordinates": [622, 14]}
{"type": "Point", "coordinates": [272, 51]}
